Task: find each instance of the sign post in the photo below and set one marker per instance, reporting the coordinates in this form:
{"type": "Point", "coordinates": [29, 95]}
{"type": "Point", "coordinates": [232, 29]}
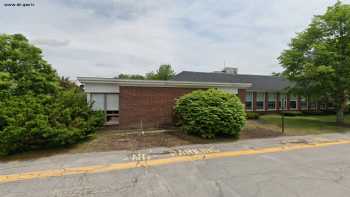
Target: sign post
{"type": "Point", "coordinates": [282, 119]}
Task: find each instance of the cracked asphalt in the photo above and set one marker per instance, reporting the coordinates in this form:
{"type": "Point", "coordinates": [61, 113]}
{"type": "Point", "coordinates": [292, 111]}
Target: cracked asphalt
{"type": "Point", "coordinates": [321, 171]}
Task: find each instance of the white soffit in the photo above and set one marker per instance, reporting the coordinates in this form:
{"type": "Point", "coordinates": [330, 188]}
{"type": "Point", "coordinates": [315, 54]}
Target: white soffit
{"type": "Point", "coordinates": [160, 83]}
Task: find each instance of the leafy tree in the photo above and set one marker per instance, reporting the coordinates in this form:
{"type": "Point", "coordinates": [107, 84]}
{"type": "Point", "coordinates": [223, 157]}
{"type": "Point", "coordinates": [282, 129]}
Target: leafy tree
{"type": "Point", "coordinates": [37, 108]}
{"type": "Point", "coordinates": [210, 113]}
{"type": "Point", "coordinates": [127, 76]}
{"type": "Point", "coordinates": [318, 60]}
{"type": "Point", "coordinates": [152, 76]}
{"type": "Point", "coordinates": [165, 72]}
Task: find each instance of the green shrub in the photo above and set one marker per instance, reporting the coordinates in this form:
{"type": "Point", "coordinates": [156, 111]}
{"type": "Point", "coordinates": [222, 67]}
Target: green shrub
{"type": "Point", "coordinates": [32, 122]}
{"type": "Point", "coordinates": [253, 115]}
{"type": "Point", "coordinates": [210, 113]}
{"type": "Point", "coordinates": [37, 108]}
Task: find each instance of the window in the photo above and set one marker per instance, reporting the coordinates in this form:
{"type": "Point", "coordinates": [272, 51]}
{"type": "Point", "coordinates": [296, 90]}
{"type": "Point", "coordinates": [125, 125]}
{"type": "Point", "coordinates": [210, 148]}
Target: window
{"type": "Point", "coordinates": [323, 107]}
{"type": "Point", "coordinates": [98, 101]}
{"type": "Point", "coordinates": [312, 104]}
{"type": "Point", "coordinates": [292, 102]}
{"type": "Point", "coordinates": [330, 106]}
{"type": "Point", "coordinates": [104, 102]}
{"type": "Point", "coordinates": [112, 102]}
{"type": "Point", "coordinates": [303, 103]}
{"type": "Point", "coordinates": [249, 101]}
{"type": "Point", "coordinates": [260, 101]}
{"type": "Point", "coordinates": [271, 101]}
{"type": "Point", "coordinates": [283, 102]}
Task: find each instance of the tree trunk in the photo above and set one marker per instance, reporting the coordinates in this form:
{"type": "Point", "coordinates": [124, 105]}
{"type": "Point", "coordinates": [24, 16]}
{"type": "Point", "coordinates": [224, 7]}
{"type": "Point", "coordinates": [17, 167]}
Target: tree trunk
{"type": "Point", "coordinates": [340, 112]}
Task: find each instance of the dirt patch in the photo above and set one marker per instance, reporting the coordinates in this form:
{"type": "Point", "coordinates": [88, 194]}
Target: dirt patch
{"type": "Point", "coordinates": [109, 140]}
{"type": "Point", "coordinates": [256, 129]}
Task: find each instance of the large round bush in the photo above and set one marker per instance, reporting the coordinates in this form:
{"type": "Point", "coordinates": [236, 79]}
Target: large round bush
{"type": "Point", "coordinates": [210, 113]}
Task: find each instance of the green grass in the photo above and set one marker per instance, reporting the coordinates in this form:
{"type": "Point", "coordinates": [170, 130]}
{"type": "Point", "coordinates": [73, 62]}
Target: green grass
{"type": "Point", "coordinates": [308, 124]}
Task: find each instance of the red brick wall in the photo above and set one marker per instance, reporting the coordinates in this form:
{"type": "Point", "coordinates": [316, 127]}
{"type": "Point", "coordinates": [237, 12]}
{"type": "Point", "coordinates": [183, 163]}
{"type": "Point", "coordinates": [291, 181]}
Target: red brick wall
{"type": "Point", "coordinates": [241, 95]}
{"type": "Point", "coordinates": [151, 105]}
{"type": "Point", "coordinates": [254, 101]}
{"type": "Point", "coordinates": [266, 101]}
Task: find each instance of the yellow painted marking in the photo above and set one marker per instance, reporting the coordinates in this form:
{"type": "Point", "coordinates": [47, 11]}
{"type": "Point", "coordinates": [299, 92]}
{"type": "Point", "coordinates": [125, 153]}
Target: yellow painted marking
{"type": "Point", "coordinates": [158, 162]}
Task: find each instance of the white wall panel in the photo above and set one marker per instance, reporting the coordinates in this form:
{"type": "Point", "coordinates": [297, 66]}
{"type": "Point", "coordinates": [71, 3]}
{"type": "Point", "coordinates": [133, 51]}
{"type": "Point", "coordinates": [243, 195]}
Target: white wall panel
{"type": "Point", "coordinates": [101, 88]}
{"type": "Point", "coordinates": [229, 90]}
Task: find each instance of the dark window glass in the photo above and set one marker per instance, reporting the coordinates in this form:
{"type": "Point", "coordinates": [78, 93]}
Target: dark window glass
{"type": "Point", "coordinates": [248, 105]}
{"type": "Point", "coordinates": [260, 105]}
{"type": "Point", "coordinates": [292, 104]}
{"type": "Point", "coordinates": [303, 104]}
{"type": "Point", "coordinates": [272, 105]}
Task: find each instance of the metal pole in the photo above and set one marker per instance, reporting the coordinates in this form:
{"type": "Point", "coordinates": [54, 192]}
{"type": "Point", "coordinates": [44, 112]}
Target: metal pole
{"type": "Point", "coordinates": [282, 122]}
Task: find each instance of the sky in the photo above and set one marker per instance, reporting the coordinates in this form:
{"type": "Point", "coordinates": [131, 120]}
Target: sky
{"type": "Point", "coordinates": [107, 37]}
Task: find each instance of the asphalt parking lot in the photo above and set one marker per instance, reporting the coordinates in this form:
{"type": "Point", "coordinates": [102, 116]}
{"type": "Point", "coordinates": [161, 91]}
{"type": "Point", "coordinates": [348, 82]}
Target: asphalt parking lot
{"type": "Point", "coordinates": [285, 166]}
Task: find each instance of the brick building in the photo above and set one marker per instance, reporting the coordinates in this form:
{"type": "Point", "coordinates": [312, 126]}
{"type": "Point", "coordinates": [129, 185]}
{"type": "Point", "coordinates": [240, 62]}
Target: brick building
{"type": "Point", "coordinates": [147, 103]}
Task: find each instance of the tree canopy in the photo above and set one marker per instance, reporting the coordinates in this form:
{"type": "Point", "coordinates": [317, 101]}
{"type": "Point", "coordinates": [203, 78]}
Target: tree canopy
{"type": "Point", "coordinates": [37, 108]}
{"type": "Point", "coordinates": [318, 59]}
{"type": "Point", "coordinates": [164, 72]}
{"type": "Point", "coordinates": [128, 76]}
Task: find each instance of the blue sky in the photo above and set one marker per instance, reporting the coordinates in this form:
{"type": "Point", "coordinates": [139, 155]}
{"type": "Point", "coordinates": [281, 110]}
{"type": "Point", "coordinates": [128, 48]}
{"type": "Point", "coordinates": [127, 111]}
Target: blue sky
{"type": "Point", "coordinates": [105, 38]}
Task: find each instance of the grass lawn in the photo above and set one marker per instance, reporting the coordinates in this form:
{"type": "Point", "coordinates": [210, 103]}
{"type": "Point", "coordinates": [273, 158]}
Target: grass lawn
{"type": "Point", "coordinates": [308, 124]}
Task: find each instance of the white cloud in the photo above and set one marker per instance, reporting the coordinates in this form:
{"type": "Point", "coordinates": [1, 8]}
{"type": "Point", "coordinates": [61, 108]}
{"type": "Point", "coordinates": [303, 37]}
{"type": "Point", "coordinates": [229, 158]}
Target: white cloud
{"type": "Point", "coordinates": [104, 38]}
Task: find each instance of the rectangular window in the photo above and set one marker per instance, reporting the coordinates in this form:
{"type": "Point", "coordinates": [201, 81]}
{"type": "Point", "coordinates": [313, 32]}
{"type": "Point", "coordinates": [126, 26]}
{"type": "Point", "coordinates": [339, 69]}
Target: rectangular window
{"type": "Point", "coordinates": [249, 101]}
{"type": "Point", "coordinates": [101, 101]}
{"type": "Point", "coordinates": [271, 101]}
{"type": "Point", "coordinates": [303, 103]}
{"type": "Point", "coordinates": [292, 102]}
{"type": "Point", "coordinates": [330, 106]}
{"type": "Point", "coordinates": [312, 104]}
{"type": "Point", "coordinates": [260, 101]}
{"type": "Point", "coordinates": [283, 102]}
{"type": "Point", "coordinates": [112, 102]}
{"type": "Point", "coordinates": [98, 101]}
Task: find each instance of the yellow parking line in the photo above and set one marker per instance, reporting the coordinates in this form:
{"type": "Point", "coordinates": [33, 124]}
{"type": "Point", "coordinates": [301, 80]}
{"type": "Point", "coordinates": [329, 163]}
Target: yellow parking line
{"type": "Point", "coordinates": [157, 162]}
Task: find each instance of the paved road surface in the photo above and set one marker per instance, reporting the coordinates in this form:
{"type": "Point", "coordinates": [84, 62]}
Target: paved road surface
{"type": "Point", "coordinates": [303, 170]}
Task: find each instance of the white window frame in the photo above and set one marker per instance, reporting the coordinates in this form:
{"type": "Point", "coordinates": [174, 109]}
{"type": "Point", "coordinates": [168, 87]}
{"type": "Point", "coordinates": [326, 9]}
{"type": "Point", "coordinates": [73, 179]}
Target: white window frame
{"type": "Point", "coordinates": [310, 103]}
{"type": "Point", "coordinates": [304, 99]}
{"type": "Point", "coordinates": [274, 100]}
{"type": "Point", "coordinates": [105, 101]}
{"type": "Point", "coordinates": [280, 103]}
{"type": "Point", "coordinates": [251, 101]}
{"type": "Point", "coordinates": [295, 99]}
{"type": "Point", "coordinates": [93, 101]}
{"type": "Point", "coordinates": [258, 100]}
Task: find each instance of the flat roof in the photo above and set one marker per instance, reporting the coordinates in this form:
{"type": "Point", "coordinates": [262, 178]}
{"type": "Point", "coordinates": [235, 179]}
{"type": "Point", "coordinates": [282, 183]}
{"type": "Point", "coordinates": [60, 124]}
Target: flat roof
{"type": "Point", "coordinates": [161, 83]}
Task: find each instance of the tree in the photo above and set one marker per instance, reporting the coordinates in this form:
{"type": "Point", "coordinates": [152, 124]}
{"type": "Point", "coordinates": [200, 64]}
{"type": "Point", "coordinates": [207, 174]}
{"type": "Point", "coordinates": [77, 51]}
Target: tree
{"type": "Point", "coordinates": [165, 72]}
{"type": "Point", "coordinates": [37, 108]}
{"type": "Point", "coordinates": [318, 59]}
{"type": "Point", "coordinates": [127, 76]}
